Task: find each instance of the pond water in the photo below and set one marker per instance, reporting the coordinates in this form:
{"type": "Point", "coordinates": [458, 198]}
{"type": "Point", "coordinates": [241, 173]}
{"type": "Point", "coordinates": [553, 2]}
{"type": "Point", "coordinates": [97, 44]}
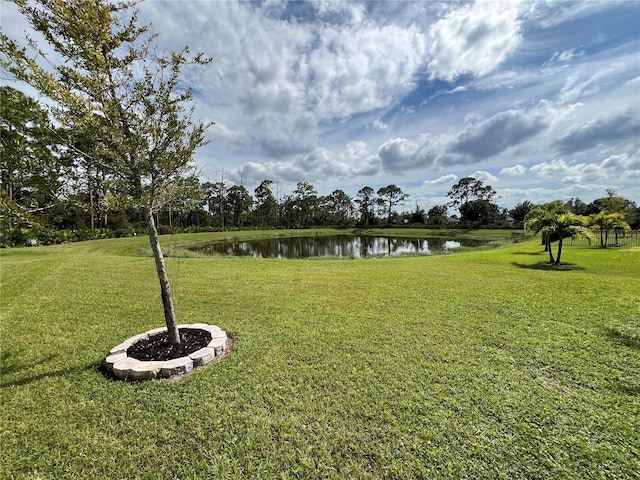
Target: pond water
{"type": "Point", "coordinates": [354, 246]}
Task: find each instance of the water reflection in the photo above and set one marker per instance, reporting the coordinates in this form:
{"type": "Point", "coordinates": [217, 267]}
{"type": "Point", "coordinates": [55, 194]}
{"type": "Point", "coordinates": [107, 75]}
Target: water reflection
{"type": "Point", "coordinates": [355, 246]}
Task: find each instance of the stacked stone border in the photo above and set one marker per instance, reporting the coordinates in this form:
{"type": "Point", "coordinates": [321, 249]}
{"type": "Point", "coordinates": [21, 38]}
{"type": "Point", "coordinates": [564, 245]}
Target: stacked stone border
{"type": "Point", "coordinates": [121, 366]}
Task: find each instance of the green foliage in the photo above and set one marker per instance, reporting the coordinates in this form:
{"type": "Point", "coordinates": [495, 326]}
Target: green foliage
{"type": "Point", "coordinates": [32, 172]}
{"type": "Point", "coordinates": [461, 366]}
{"type": "Point", "coordinates": [365, 202]}
{"type": "Point", "coordinates": [389, 197]}
{"type": "Point", "coordinates": [469, 190]}
{"type": "Point", "coordinates": [555, 224]}
{"type": "Point", "coordinates": [605, 222]}
{"type": "Point", "coordinates": [520, 211]}
{"type": "Point", "coordinates": [112, 86]}
{"type": "Point", "coordinates": [266, 211]}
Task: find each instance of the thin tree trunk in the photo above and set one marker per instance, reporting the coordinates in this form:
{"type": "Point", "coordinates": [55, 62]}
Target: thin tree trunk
{"type": "Point", "coordinates": [92, 207]}
{"type": "Point", "coordinates": [559, 251]}
{"type": "Point", "coordinates": [165, 289]}
{"type": "Point", "coordinates": [548, 248]}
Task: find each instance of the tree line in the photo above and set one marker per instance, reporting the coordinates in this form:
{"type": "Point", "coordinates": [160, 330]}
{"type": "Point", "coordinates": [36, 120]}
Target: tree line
{"type": "Point", "coordinates": [51, 192]}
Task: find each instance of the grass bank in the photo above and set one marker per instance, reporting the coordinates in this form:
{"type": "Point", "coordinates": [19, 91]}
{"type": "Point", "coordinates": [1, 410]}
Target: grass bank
{"type": "Point", "coordinates": [473, 365]}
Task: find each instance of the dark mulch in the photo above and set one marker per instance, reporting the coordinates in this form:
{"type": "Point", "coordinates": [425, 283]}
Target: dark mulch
{"type": "Point", "coordinates": [158, 348]}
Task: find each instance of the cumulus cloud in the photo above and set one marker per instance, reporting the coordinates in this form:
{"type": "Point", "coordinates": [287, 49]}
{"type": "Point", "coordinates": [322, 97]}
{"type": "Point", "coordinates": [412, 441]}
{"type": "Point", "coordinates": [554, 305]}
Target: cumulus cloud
{"type": "Point", "coordinates": [361, 68]}
{"type": "Point", "coordinates": [488, 137]}
{"type": "Point", "coordinates": [317, 165]}
{"type": "Point", "coordinates": [604, 130]}
{"type": "Point", "coordinates": [484, 176]}
{"type": "Point", "coordinates": [516, 170]}
{"type": "Point", "coordinates": [555, 168]}
{"type": "Point", "coordinates": [474, 38]}
{"type": "Point", "coordinates": [401, 154]}
{"type": "Point", "coordinates": [360, 159]}
{"type": "Point", "coordinates": [612, 168]}
{"type": "Point", "coordinates": [445, 179]}
{"type": "Point", "coordinates": [220, 133]}
{"type": "Point", "coordinates": [480, 139]}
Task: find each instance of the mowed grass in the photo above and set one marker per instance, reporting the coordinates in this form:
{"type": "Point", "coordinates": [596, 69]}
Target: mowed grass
{"type": "Point", "coordinates": [473, 365]}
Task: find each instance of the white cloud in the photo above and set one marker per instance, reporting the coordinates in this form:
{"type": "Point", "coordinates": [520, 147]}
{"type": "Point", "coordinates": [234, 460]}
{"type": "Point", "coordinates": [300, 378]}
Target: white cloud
{"type": "Point", "coordinates": [458, 89]}
{"type": "Point", "coordinates": [565, 56]}
{"type": "Point", "coordinates": [361, 68]}
{"type": "Point", "coordinates": [555, 168]}
{"type": "Point", "coordinates": [379, 125]}
{"type": "Point", "coordinates": [402, 154]}
{"type": "Point", "coordinates": [516, 170]}
{"type": "Point", "coordinates": [220, 133]}
{"type": "Point", "coordinates": [298, 91]}
{"type": "Point", "coordinates": [484, 176]}
{"type": "Point", "coordinates": [612, 169]}
{"type": "Point", "coordinates": [615, 161]}
{"type": "Point", "coordinates": [474, 38]}
{"type": "Point", "coordinates": [445, 179]}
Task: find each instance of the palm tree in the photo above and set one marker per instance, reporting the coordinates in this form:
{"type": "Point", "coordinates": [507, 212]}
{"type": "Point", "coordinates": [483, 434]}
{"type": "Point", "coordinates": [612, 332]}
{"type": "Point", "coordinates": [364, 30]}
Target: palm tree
{"type": "Point", "coordinates": [606, 222]}
{"type": "Point", "coordinates": [555, 225]}
{"type": "Point", "coordinates": [540, 218]}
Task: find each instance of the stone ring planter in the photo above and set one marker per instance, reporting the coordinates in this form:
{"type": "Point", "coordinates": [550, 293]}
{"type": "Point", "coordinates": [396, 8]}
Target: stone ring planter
{"type": "Point", "coordinates": [124, 367]}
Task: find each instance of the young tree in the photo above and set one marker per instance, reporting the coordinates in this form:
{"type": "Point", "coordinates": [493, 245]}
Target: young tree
{"type": "Point", "coordinates": [107, 79]}
{"type": "Point", "coordinates": [538, 220]}
{"type": "Point", "coordinates": [390, 196]}
{"type": "Point", "coordinates": [605, 222]}
{"type": "Point", "coordinates": [556, 224]}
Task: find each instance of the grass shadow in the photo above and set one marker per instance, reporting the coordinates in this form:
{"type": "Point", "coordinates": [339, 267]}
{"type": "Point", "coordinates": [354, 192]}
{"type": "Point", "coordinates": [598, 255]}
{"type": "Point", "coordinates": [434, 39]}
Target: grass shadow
{"type": "Point", "coordinates": [549, 266]}
{"type": "Point", "coordinates": [627, 339]}
{"type": "Point", "coordinates": [627, 389]}
{"type": "Point", "coordinates": [26, 379]}
{"type": "Point", "coordinates": [10, 363]}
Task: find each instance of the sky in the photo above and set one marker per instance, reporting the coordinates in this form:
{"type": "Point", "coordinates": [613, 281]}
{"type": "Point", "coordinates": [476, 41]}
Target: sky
{"type": "Point", "coordinates": [539, 99]}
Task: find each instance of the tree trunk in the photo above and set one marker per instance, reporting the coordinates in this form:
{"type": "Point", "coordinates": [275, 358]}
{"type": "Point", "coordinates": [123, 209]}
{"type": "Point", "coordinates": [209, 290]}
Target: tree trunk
{"type": "Point", "coordinates": [165, 289]}
{"type": "Point", "coordinates": [559, 251]}
{"type": "Point", "coordinates": [548, 248]}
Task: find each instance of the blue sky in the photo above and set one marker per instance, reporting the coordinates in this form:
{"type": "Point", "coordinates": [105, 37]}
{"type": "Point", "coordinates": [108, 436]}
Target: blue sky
{"type": "Point", "coordinates": [541, 100]}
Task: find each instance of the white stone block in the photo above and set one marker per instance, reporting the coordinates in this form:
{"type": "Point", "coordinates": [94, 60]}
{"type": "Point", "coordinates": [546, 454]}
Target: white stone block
{"type": "Point", "coordinates": [122, 369]}
{"type": "Point", "coordinates": [218, 344]}
{"type": "Point", "coordinates": [203, 356]}
{"type": "Point", "coordinates": [145, 370]}
{"type": "Point", "coordinates": [176, 366]}
{"type": "Point", "coordinates": [156, 331]}
{"type": "Point", "coordinates": [113, 358]}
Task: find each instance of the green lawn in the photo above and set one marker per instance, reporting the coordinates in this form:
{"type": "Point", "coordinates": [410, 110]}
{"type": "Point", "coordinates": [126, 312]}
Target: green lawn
{"type": "Point", "coordinates": [473, 365]}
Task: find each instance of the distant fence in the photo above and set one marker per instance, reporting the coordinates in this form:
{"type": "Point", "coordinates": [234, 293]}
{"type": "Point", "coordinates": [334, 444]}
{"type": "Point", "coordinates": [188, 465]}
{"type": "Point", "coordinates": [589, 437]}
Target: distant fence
{"type": "Point", "coordinates": [619, 239]}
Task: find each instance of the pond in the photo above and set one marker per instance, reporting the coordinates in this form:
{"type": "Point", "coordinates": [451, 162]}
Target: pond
{"type": "Point", "coordinates": [352, 246]}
